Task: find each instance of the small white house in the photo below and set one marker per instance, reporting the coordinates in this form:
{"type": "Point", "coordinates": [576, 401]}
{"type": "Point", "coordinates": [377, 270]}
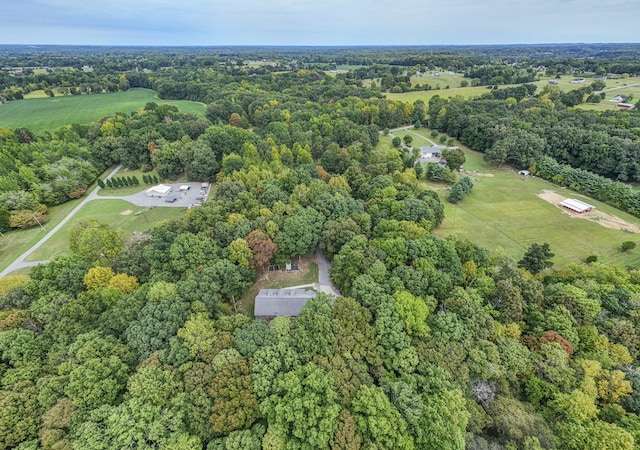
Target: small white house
{"type": "Point", "coordinates": [161, 190]}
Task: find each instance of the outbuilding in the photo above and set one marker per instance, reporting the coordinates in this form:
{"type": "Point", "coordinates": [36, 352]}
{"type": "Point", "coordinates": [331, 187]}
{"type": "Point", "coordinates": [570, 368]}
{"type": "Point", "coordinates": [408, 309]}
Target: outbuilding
{"type": "Point", "coordinates": [272, 303]}
{"type": "Point", "coordinates": [576, 206]}
{"type": "Point", "coordinates": [161, 190]}
{"type": "Point", "coordinates": [173, 197]}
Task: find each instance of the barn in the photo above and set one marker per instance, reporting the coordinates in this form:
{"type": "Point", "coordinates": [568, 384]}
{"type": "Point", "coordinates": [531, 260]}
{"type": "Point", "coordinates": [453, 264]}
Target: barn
{"type": "Point", "coordinates": [161, 190]}
{"type": "Point", "coordinates": [576, 205]}
{"type": "Point", "coordinates": [272, 303]}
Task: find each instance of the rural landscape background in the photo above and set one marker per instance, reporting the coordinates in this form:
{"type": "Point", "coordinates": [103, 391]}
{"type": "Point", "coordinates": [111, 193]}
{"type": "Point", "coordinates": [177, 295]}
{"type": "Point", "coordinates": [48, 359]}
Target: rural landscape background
{"type": "Point", "coordinates": [148, 196]}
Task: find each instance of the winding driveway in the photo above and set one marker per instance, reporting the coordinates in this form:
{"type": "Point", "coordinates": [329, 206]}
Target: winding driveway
{"type": "Point", "coordinates": [20, 262]}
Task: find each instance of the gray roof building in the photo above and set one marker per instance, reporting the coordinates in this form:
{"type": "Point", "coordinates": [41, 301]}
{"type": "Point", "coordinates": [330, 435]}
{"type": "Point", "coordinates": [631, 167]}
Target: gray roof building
{"type": "Point", "coordinates": [281, 302]}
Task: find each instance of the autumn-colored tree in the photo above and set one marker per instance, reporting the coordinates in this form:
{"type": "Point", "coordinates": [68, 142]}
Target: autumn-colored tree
{"type": "Point", "coordinates": [262, 248]}
{"type": "Point", "coordinates": [98, 277]}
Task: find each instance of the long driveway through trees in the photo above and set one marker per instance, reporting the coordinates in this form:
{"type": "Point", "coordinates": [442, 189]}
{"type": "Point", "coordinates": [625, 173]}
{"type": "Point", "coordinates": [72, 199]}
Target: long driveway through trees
{"type": "Point", "coordinates": [21, 263]}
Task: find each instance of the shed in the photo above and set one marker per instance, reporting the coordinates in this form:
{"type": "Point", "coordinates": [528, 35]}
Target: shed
{"type": "Point", "coordinates": [576, 205]}
{"type": "Point", "coordinates": [161, 190]}
{"type": "Point", "coordinates": [526, 173]}
{"type": "Point", "coordinates": [626, 105]}
{"type": "Point", "coordinates": [281, 302]}
{"type": "Point", "coordinates": [173, 197]}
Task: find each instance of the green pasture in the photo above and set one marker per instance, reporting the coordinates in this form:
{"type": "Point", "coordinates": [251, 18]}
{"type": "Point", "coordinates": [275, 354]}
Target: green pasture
{"type": "Point", "coordinates": [42, 114]}
{"type": "Point", "coordinates": [421, 137]}
{"type": "Point", "coordinates": [442, 80]}
{"type": "Point", "coordinates": [16, 242]}
{"type": "Point", "coordinates": [504, 211]}
{"type": "Point", "coordinates": [467, 93]}
{"type": "Point", "coordinates": [118, 214]}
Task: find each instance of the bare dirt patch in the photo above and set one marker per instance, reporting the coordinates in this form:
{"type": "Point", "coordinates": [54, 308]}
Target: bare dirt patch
{"type": "Point", "coordinates": [599, 217]}
{"type": "Point", "coordinates": [127, 212]}
{"type": "Point", "coordinates": [490, 175]}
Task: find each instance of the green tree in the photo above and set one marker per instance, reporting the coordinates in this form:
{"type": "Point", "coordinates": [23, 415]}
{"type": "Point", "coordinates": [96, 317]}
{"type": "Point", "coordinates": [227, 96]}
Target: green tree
{"type": "Point", "coordinates": [303, 408]}
{"type": "Point", "coordinates": [627, 245]}
{"type": "Point", "coordinates": [536, 258]}
{"type": "Point", "coordinates": [454, 157]}
{"type": "Point", "coordinates": [379, 422]}
{"type": "Point", "coordinates": [235, 405]}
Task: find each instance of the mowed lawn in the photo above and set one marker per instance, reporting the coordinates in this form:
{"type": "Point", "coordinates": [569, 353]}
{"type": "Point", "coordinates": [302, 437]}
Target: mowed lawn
{"type": "Point", "coordinates": [48, 114]}
{"type": "Point", "coordinates": [504, 211]}
{"type": "Point", "coordinates": [118, 214]}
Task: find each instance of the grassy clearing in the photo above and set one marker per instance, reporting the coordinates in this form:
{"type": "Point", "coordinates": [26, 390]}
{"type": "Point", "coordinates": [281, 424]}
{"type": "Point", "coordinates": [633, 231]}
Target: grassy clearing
{"type": "Point", "coordinates": [307, 274]}
{"type": "Point", "coordinates": [420, 139]}
{"type": "Point", "coordinates": [118, 214]}
{"type": "Point", "coordinates": [504, 211]}
{"type": "Point", "coordinates": [442, 80]}
{"type": "Point", "coordinates": [42, 114]}
{"type": "Point", "coordinates": [615, 86]}
{"type": "Point", "coordinates": [16, 242]}
{"type": "Point", "coordinates": [467, 93]}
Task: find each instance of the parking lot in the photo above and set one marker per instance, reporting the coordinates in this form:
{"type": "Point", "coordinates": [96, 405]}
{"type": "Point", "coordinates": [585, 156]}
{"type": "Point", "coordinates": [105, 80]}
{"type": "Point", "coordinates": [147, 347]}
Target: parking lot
{"type": "Point", "coordinates": [194, 196]}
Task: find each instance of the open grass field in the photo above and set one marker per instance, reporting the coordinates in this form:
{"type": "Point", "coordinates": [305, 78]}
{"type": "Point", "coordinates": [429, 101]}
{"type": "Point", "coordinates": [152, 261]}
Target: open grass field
{"type": "Point", "coordinates": [441, 80]}
{"type": "Point", "coordinates": [118, 214]}
{"type": "Point", "coordinates": [42, 114]}
{"type": "Point", "coordinates": [504, 211]}
{"type": "Point", "coordinates": [15, 243]}
{"type": "Point", "coordinates": [615, 86]}
{"type": "Point", "coordinates": [467, 93]}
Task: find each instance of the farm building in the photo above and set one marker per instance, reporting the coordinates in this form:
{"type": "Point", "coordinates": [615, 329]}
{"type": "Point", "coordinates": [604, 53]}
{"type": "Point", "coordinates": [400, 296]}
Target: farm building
{"type": "Point", "coordinates": [626, 105]}
{"type": "Point", "coordinates": [173, 197]}
{"type": "Point", "coordinates": [161, 190]}
{"type": "Point", "coordinates": [576, 205]}
{"type": "Point", "coordinates": [578, 80]}
{"type": "Point", "coordinates": [281, 302]}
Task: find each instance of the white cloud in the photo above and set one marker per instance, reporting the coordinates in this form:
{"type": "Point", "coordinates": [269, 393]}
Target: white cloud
{"type": "Point", "coordinates": [334, 22]}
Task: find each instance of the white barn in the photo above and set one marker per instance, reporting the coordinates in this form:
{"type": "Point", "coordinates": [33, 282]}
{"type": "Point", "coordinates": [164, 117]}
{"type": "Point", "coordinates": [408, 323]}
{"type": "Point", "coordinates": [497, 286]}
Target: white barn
{"type": "Point", "coordinates": [161, 190]}
{"type": "Point", "coordinates": [576, 205]}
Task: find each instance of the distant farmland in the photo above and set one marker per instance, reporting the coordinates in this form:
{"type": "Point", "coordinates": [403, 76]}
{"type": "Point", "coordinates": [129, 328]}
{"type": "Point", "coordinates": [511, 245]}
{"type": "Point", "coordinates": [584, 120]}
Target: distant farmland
{"type": "Point", "coordinates": [44, 114]}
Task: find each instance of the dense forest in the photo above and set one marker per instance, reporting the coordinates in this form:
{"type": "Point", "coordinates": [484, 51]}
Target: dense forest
{"type": "Point", "coordinates": [134, 342]}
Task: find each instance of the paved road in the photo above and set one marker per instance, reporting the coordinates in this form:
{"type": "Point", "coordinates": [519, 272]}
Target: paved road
{"type": "Point", "coordinates": [139, 199]}
{"type": "Point", "coordinates": [21, 263]}
{"type": "Point", "coordinates": [324, 280]}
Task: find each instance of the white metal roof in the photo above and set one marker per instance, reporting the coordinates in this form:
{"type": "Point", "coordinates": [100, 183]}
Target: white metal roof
{"type": "Point", "coordinates": [576, 205]}
{"type": "Point", "coordinates": [161, 189]}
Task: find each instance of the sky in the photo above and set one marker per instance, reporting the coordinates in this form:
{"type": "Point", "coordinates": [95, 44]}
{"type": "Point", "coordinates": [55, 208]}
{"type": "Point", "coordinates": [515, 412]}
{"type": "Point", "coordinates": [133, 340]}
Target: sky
{"type": "Point", "coordinates": [313, 22]}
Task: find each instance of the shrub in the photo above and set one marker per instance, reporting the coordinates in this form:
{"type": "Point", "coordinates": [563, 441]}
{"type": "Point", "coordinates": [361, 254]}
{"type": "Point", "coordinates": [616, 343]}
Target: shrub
{"type": "Point", "coordinates": [627, 245]}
